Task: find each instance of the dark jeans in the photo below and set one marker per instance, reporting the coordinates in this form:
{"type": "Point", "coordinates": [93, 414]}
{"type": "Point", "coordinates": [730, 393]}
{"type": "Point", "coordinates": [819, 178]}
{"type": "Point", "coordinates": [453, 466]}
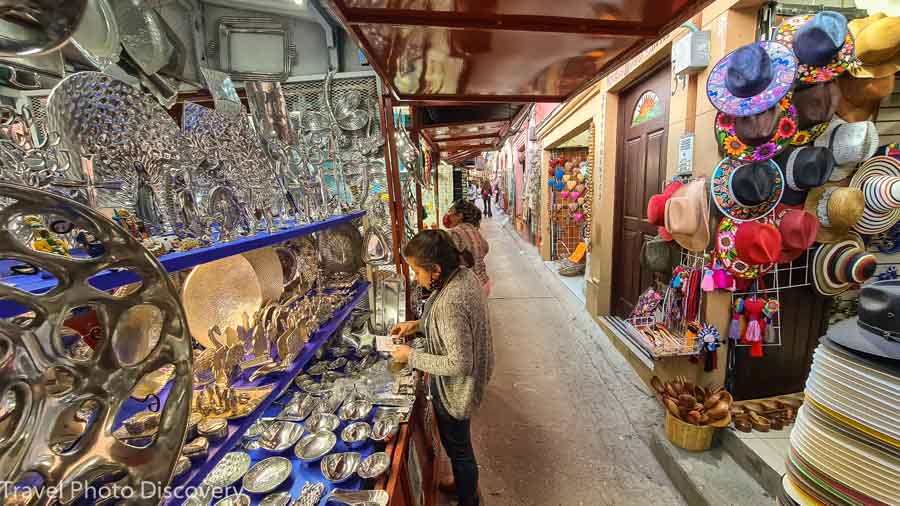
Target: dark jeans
{"type": "Point", "coordinates": [457, 440]}
{"type": "Point", "coordinates": [487, 205]}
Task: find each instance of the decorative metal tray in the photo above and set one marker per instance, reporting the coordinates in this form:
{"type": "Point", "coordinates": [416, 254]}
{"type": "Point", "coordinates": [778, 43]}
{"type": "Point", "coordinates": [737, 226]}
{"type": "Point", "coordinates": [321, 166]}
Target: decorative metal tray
{"type": "Point", "coordinates": [230, 469]}
{"type": "Point", "coordinates": [313, 447]}
{"type": "Point", "coordinates": [267, 474]}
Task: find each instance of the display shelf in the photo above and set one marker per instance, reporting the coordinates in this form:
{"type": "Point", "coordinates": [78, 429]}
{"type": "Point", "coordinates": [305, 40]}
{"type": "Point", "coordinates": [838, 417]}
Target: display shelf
{"type": "Point", "coordinates": [173, 262]}
{"type": "Point", "coordinates": [283, 382]}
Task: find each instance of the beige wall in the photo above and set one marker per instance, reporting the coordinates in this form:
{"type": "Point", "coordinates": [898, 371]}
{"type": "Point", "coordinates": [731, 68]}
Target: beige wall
{"type": "Point", "coordinates": [732, 24]}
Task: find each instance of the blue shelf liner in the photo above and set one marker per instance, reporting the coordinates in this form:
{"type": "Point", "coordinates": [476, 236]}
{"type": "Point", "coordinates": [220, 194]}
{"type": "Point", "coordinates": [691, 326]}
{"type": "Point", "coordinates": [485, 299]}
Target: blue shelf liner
{"type": "Point", "coordinates": [236, 428]}
{"type": "Point", "coordinates": [43, 282]}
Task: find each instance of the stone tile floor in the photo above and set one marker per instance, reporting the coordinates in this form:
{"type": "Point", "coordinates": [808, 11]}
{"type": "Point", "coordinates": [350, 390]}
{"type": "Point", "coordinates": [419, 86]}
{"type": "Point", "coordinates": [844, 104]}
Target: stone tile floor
{"type": "Point", "coordinates": [565, 419]}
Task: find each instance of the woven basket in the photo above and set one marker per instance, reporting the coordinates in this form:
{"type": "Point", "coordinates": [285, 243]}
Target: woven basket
{"type": "Point", "coordinates": [695, 438]}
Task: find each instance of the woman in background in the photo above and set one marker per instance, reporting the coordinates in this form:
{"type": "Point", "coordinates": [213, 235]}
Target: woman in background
{"type": "Point", "coordinates": [486, 197]}
{"type": "Point", "coordinates": [459, 351]}
{"type": "Point", "coordinates": [463, 221]}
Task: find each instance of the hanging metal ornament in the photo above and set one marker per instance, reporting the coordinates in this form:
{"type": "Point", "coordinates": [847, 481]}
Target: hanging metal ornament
{"type": "Point", "coordinates": [62, 405]}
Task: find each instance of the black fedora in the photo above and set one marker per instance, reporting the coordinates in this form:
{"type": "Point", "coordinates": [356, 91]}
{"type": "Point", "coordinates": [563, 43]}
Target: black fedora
{"type": "Point", "coordinates": [804, 168]}
{"type": "Point", "coordinates": [877, 328]}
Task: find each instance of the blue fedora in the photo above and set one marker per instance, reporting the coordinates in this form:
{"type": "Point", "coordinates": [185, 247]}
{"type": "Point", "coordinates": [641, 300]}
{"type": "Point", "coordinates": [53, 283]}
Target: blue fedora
{"type": "Point", "coordinates": [818, 40]}
{"type": "Point", "coordinates": [752, 79]}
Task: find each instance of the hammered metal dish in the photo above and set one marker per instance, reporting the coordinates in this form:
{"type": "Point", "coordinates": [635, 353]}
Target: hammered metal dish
{"type": "Point", "coordinates": [218, 294]}
{"type": "Point", "coordinates": [280, 436]}
{"type": "Point", "coordinates": [235, 500]}
{"type": "Point", "coordinates": [357, 409]}
{"type": "Point", "coordinates": [339, 467]}
{"type": "Point", "coordinates": [374, 465]}
{"type": "Point", "coordinates": [230, 469]}
{"type": "Point", "coordinates": [385, 427]}
{"type": "Point", "coordinates": [356, 433]}
{"type": "Point", "coordinates": [276, 499]}
{"type": "Point", "coordinates": [314, 446]}
{"type": "Point", "coordinates": [267, 475]}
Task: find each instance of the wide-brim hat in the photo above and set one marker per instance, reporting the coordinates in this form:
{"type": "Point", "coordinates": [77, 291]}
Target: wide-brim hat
{"type": "Point", "coordinates": [732, 145]}
{"type": "Point", "coordinates": [877, 45]}
{"type": "Point", "coordinates": [874, 331]}
{"type": "Point", "coordinates": [804, 168]}
{"type": "Point", "coordinates": [861, 98]}
{"type": "Point", "coordinates": [838, 266]}
{"type": "Point", "coordinates": [840, 63]}
{"type": "Point", "coordinates": [783, 67]}
{"type": "Point", "coordinates": [798, 230]}
{"type": "Point", "coordinates": [850, 143]}
{"type": "Point", "coordinates": [687, 216]}
{"type": "Point", "coordinates": [726, 251]}
{"type": "Point", "coordinates": [757, 243]}
{"type": "Point", "coordinates": [879, 180]}
{"type": "Point", "coordinates": [837, 208]}
{"type": "Point", "coordinates": [723, 190]}
{"type": "Point", "coordinates": [656, 206]}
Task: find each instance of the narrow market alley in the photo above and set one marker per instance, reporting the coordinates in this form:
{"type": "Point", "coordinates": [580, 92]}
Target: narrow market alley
{"type": "Point", "coordinates": [559, 423]}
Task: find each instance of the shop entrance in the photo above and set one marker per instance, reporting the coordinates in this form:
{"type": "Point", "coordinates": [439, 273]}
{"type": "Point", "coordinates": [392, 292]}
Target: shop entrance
{"type": "Point", "coordinates": [640, 173]}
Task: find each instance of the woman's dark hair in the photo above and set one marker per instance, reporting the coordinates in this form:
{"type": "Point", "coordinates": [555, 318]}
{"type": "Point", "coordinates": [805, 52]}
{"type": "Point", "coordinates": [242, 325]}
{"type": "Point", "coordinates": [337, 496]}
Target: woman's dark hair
{"type": "Point", "coordinates": [469, 211]}
{"type": "Point", "coordinates": [434, 247]}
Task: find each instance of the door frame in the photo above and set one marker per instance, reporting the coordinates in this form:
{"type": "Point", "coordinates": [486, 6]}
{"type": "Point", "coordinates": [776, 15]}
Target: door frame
{"type": "Point", "coordinates": [622, 115]}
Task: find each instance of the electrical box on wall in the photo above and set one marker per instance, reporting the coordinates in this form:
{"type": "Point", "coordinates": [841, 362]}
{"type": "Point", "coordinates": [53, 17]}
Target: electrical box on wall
{"type": "Point", "coordinates": [690, 54]}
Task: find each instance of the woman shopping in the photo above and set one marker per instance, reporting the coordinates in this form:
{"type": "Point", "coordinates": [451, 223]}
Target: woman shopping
{"type": "Point", "coordinates": [459, 353]}
{"type": "Point", "coordinates": [463, 221]}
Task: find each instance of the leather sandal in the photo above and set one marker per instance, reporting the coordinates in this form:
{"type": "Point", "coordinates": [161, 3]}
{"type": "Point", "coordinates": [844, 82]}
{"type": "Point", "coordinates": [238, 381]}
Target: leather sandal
{"type": "Point", "coordinates": [759, 422]}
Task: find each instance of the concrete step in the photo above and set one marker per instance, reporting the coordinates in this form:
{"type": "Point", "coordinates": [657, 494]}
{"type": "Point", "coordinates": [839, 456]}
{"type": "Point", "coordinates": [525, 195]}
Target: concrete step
{"type": "Point", "coordinates": [759, 457]}
{"type": "Point", "coordinates": [711, 478]}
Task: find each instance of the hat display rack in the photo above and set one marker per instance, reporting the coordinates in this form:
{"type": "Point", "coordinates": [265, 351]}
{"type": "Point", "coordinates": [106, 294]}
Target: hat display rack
{"type": "Point", "coordinates": [569, 205]}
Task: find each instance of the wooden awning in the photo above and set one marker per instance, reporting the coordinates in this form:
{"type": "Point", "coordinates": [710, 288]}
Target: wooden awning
{"type": "Point", "coordinates": [462, 132]}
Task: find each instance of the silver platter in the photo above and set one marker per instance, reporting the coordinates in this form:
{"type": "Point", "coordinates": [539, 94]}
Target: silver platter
{"type": "Point", "coordinates": [374, 465]}
{"type": "Point", "coordinates": [313, 447]}
{"type": "Point", "coordinates": [280, 436]}
{"type": "Point", "coordinates": [339, 467]}
{"type": "Point", "coordinates": [267, 474]}
{"type": "Point", "coordinates": [322, 422]}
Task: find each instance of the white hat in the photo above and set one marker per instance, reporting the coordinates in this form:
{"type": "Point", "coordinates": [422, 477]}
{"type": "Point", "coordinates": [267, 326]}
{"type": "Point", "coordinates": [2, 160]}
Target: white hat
{"type": "Point", "coordinates": [850, 143]}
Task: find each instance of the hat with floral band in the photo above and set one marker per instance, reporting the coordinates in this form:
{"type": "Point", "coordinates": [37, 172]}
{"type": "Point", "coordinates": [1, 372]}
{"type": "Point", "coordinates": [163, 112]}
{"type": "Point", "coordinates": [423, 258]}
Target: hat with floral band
{"type": "Point", "coordinates": [726, 251]}
{"type": "Point", "coordinates": [879, 180]}
{"type": "Point", "coordinates": [838, 266]}
{"type": "Point", "coordinates": [746, 191]}
{"type": "Point", "coordinates": [837, 208]}
{"type": "Point", "coordinates": [822, 44]}
{"type": "Point", "coordinates": [816, 105]}
{"type": "Point", "coordinates": [735, 147]}
{"type": "Point", "coordinates": [752, 78]}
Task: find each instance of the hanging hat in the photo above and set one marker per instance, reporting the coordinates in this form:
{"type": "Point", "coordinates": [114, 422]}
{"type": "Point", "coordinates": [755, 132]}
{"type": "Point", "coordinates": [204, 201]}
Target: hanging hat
{"type": "Point", "coordinates": [798, 230]}
{"type": "Point", "coordinates": [726, 251]}
{"type": "Point", "coordinates": [850, 143]}
{"type": "Point", "coordinates": [757, 243]}
{"type": "Point", "coordinates": [877, 46]}
{"type": "Point", "coordinates": [656, 206]}
{"type": "Point", "coordinates": [746, 191]}
{"type": "Point", "coordinates": [751, 79]}
{"type": "Point", "coordinates": [860, 98]}
{"type": "Point", "coordinates": [879, 180]}
{"type": "Point", "coordinates": [816, 105]}
{"type": "Point", "coordinates": [837, 209]}
{"type": "Point", "coordinates": [892, 150]}
{"type": "Point", "coordinates": [836, 267]}
{"type": "Point", "coordinates": [875, 331]}
{"type": "Point", "coordinates": [804, 168]}
{"type": "Point", "coordinates": [821, 42]}
{"type": "Point", "coordinates": [687, 215]}
{"type": "Point", "coordinates": [758, 137]}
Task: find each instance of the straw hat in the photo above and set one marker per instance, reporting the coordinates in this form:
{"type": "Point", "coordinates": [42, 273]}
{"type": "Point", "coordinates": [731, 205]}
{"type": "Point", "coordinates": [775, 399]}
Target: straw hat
{"type": "Point", "coordinates": [879, 180]}
{"type": "Point", "coordinates": [821, 42]}
{"type": "Point", "coordinates": [752, 78]}
{"type": "Point", "coordinates": [687, 216]}
{"type": "Point", "coordinates": [837, 209]}
{"type": "Point", "coordinates": [877, 45]}
{"type": "Point", "coordinates": [838, 266]}
{"type": "Point", "coordinates": [850, 143]}
{"type": "Point", "coordinates": [746, 191]}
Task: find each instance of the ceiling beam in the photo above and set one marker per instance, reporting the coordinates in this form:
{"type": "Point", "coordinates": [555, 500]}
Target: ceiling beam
{"type": "Point", "coordinates": [487, 21]}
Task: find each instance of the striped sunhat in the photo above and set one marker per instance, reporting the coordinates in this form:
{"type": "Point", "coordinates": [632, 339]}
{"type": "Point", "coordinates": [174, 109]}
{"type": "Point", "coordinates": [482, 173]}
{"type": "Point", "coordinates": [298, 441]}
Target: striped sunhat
{"type": "Point", "coordinates": [838, 266]}
{"type": "Point", "coordinates": [879, 180]}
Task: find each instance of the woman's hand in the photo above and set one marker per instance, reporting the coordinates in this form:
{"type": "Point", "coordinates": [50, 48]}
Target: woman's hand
{"type": "Point", "coordinates": [401, 353]}
{"type": "Point", "coordinates": [405, 329]}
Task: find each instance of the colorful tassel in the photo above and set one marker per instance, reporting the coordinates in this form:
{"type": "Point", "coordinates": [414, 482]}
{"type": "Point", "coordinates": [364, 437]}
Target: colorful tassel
{"type": "Point", "coordinates": [708, 284]}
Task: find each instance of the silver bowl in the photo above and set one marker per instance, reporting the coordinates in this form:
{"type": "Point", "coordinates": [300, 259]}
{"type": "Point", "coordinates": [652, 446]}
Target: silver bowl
{"type": "Point", "coordinates": [385, 428]}
{"type": "Point", "coordinates": [355, 410]}
{"type": "Point", "coordinates": [267, 474]}
{"type": "Point", "coordinates": [374, 465]}
{"type": "Point", "coordinates": [322, 422]}
{"type": "Point", "coordinates": [313, 447]}
{"type": "Point", "coordinates": [276, 499]}
{"type": "Point", "coordinates": [280, 436]}
{"type": "Point", "coordinates": [235, 500]}
{"type": "Point", "coordinates": [299, 408]}
{"type": "Point", "coordinates": [339, 467]}
{"type": "Point", "coordinates": [356, 433]}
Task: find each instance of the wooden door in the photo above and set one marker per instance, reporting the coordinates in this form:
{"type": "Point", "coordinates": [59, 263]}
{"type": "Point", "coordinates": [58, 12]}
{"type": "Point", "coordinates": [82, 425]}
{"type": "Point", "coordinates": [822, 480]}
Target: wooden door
{"type": "Point", "coordinates": [640, 173]}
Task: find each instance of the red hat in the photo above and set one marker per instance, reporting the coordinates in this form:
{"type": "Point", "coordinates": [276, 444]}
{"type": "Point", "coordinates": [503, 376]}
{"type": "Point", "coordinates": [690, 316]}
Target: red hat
{"type": "Point", "coordinates": [665, 235]}
{"type": "Point", "coordinates": [656, 207]}
{"type": "Point", "coordinates": [757, 243]}
{"type": "Point", "coordinates": [798, 231]}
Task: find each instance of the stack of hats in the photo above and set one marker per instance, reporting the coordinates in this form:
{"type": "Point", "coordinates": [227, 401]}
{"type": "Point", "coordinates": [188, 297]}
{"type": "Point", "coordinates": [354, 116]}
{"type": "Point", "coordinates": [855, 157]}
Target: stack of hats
{"type": "Point", "coordinates": [845, 446]}
{"type": "Point", "coordinates": [568, 180]}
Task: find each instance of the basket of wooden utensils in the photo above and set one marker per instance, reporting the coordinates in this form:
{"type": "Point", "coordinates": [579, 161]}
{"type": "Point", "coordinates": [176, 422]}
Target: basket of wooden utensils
{"type": "Point", "coordinates": [693, 413]}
